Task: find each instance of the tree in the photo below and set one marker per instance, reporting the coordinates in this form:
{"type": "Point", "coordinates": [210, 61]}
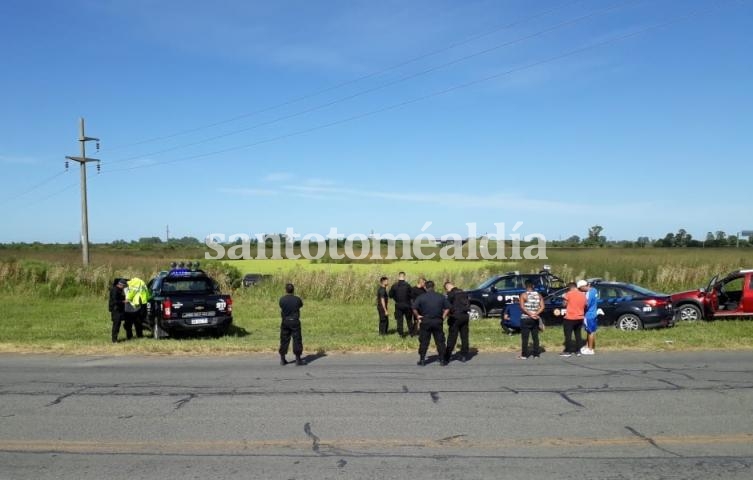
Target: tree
{"type": "Point", "coordinates": [682, 238]}
{"type": "Point", "coordinates": [595, 237]}
{"type": "Point", "coordinates": [721, 237]}
{"type": "Point", "coordinates": [642, 242]}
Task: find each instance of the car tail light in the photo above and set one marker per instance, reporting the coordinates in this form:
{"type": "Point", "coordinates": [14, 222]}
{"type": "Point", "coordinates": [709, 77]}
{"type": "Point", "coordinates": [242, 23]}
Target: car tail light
{"type": "Point", "coordinates": [167, 308]}
{"type": "Point", "coordinates": [657, 303]}
{"type": "Point", "coordinates": [229, 305]}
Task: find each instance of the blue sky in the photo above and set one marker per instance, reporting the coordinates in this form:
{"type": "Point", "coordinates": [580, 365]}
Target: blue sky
{"type": "Point", "coordinates": [377, 116]}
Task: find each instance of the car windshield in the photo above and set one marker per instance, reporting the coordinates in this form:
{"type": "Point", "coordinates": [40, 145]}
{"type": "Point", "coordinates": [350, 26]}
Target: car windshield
{"type": "Point", "coordinates": [188, 285]}
{"type": "Point", "coordinates": [487, 283]}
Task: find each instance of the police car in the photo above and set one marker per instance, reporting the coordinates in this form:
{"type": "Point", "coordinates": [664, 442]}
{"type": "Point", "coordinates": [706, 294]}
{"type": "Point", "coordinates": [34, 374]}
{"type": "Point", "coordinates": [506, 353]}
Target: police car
{"type": "Point", "coordinates": [186, 299]}
{"type": "Point", "coordinates": [493, 295]}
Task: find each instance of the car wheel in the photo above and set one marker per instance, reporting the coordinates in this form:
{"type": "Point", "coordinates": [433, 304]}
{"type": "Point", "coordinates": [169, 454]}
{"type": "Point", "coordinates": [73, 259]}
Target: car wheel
{"type": "Point", "coordinates": [629, 322]}
{"type": "Point", "coordinates": [475, 313]}
{"type": "Point", "coordinates": [689, 313]}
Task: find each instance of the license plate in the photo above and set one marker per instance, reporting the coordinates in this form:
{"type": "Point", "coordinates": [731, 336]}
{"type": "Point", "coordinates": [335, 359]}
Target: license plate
{"type": "Point", "coordinates": [199, 321]}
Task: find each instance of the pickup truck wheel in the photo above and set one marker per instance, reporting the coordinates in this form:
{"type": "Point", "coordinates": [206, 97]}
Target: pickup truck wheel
{"type": "Point", "coordinates": [689, 313]}
{"type": "Point", "coordinates": [475, 313]}
{"type": "Point", "coordinates": [629, 322]}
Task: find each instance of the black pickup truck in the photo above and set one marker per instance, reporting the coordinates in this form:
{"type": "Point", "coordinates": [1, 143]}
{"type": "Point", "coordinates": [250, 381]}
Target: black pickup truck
{"type": "Point", "coordinates": [491, 297]}
{"type": "Point", "coordinates": [187, 300]}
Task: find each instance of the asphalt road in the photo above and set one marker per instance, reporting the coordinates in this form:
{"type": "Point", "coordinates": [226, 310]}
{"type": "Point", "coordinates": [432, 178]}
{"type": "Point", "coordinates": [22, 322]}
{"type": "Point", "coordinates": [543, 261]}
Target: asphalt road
{"type": "Point", "coordinates": [611, 416]}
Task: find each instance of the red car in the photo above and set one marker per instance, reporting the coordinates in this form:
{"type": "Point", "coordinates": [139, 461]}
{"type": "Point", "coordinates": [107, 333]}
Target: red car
{"type": "Point", "coordinates": [731, 296]}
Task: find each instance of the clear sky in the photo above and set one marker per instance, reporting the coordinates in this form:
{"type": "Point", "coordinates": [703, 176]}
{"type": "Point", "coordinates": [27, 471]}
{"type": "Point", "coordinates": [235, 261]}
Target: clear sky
{"type": "Point", "coordinates": [255, 116]}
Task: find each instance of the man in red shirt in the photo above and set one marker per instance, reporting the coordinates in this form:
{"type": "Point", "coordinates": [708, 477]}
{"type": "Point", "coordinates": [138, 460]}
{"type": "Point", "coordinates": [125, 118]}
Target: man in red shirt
{"type": "Point", "coordinates": [575, 307]}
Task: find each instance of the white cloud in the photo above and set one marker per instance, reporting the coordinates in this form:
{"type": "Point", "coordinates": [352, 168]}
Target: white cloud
{"type": "Point", "coordinates": [277, 177]}
{"type": "Point", "coordinates": [18, 160]}
{"type": "Point", "coordinates": [523, 203]}
{"type": "Point", "coordinates": [249, 192]}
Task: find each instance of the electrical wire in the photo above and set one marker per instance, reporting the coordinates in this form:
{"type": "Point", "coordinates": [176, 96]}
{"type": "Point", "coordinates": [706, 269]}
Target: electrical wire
{"type": "Point", "coordinates": [346, 83]}
{"type": "Point", "coordinates": [406, 78]}
{"type": "Point", "coordinates": [445, 91]}
{"type": "Point", "coordinates": [31, 189]}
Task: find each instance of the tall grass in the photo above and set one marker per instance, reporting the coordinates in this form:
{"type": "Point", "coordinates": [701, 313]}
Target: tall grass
{"type": "Point", "coordinates": [659, 269]}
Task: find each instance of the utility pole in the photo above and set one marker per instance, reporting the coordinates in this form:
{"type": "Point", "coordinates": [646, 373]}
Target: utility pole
{"type": "Point", "coordinates": [82, 160]}
{"type": "Point", "coordinates": [167, 233]}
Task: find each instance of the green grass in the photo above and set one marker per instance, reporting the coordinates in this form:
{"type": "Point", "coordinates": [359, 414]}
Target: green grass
{"type": "Point", "coordinates": [52, 304]}
{"type": "Point", "coordinates": [82, 326]}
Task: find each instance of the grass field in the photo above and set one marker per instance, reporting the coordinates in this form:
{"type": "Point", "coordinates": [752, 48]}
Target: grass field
{"type": "Point", "coordinates": [52, 304]}
{"type": "Point", "coordinates": [82, 325]}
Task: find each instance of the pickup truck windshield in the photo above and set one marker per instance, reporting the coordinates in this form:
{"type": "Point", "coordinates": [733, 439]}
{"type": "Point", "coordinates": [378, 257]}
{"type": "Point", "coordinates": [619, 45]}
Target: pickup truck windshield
{"type": "Point", "coordinates": [188, 285]}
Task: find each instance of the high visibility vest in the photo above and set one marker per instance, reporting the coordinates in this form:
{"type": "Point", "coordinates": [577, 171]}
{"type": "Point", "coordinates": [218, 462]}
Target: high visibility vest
{"type": "Point", "coordinates": [136, 292]}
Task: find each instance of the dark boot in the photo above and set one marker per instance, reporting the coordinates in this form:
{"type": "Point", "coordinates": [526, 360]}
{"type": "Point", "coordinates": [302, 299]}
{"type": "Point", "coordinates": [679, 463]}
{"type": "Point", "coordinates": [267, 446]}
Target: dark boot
{"type": "Point", "coordinates": [299, 361]}
{"type": "Point", "coordinates": [421, 362]}
{"type": "Point", "coordinates": [282, 360]}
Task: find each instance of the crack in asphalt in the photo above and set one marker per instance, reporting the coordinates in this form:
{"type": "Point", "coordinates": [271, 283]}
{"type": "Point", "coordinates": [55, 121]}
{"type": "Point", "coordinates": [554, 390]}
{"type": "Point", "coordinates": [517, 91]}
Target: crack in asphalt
{"type": "Point", "coordinates": [651, 441]}
{"type": "Point", "coordinates": [90, 391]}
{"type": "Point", "coordinates": [570, 400]}
{"type": "Point", "coordinates": [451, 438]}
{"type": "Point", "coordinates": [434, 397]}
{"type": "Point", "coordinates": [183, 401]}
{"type": "Point", "coordinates": [60, 398]}
{"type": "Point", "coordinates": [314, 438]}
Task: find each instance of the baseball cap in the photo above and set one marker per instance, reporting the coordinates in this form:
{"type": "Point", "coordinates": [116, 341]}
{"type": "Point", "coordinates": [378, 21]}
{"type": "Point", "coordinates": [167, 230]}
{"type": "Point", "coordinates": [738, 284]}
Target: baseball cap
{"type": "Point", "coordinates": [581, 283]}
{"type": "Point", "coordinates": [122, 281]}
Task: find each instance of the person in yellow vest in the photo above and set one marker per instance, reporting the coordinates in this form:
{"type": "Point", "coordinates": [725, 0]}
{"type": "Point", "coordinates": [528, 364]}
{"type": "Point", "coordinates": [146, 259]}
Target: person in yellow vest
{"type": "Point", "coordinates": [137, 297]}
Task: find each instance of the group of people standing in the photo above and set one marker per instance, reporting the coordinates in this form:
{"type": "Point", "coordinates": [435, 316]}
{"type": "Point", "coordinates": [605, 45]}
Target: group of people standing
{"type": "Point", "coordinates": [127, 306]}
{"type": "Point", "coordinates": [424, 311]}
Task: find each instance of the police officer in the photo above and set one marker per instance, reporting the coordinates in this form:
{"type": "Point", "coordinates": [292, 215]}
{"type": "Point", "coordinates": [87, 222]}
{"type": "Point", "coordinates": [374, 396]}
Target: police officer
{"type": "Point", "coordinates": [381, 304]}
{"type": "Point", "coordinates": [415, 292]}
{"type": "Point", "coordinates": [137, 296]}
{"type": "Point", "coordinates": [400, 293]}
{"type": "Point", "coordinates": [290, 311]}
{"type": "Point", "coordinates": [431, 309]}
{"type": "Point", "coordinates": [457, 321]}
{"type": "Point", "coordinates": [116, 306]}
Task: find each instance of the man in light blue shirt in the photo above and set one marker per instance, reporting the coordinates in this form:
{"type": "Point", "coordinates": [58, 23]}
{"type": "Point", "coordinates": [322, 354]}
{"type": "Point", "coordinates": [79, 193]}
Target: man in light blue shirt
{"type": "Point", "coordinates": [591, 317]}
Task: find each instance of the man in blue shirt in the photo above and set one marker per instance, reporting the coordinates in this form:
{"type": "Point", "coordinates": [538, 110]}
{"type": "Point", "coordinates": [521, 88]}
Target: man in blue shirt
{"type": "Point", "coordinates": [591, 318]}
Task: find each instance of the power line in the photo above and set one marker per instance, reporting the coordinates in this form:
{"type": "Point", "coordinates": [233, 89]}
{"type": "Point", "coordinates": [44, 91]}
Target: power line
{"type": "Point", "coordinates": [346, 83]}
{"type": "Point", "coordinates": [405, 78]}
{"type": "Point", "coordinates": [39, 200]}
{"type": "Point", "coordinates": [32, 188]}
{"type": "Point", "coordinates": [338, 86]}
{"type": "Point", "coordinates": [445, 91]}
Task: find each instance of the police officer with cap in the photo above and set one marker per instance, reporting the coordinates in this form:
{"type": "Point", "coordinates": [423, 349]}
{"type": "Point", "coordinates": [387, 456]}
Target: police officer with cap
{"type": "Point", "coordinates": [116, 306]}
{"type": "Point", "coordinates": [431, 309]}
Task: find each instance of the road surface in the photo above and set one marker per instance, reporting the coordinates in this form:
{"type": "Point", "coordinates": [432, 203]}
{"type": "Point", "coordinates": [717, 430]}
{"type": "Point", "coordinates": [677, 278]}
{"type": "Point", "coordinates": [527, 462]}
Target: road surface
{"type": "Point", "coordinates": [610, 416]}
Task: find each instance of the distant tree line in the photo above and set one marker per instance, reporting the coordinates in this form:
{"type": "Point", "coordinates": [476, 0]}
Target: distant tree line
{"type": "Point", "coordinates": [680, 239]}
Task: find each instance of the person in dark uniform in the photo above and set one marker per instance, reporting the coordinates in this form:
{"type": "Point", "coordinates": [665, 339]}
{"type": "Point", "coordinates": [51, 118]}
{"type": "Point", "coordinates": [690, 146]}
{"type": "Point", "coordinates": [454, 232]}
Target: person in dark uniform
{"type": "Point", "coordinates": [415, 292]}
{"type": "Point", "coordinates": [381, 304]}
{"type": "Point", "coordinates": [457, 321]}
{"type": "Point", "coordinates": [400, 293]}
{"type": "Point", "coordinates": [116, 306]}
{"type": "Point", "coordinates": [431, 309]}
{"type": "Point", "coordinates": [290, 311]}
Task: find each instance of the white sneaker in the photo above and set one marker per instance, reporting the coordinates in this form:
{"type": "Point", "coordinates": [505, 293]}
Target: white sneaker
{"type": "Point", "coordinates": [586, 351]}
